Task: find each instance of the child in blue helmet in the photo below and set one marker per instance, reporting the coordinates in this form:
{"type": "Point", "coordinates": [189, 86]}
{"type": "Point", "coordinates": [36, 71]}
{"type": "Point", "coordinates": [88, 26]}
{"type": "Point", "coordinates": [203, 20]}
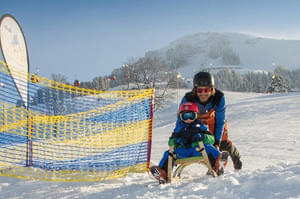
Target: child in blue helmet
{"type": "Point", "coordinates": [186, 143]}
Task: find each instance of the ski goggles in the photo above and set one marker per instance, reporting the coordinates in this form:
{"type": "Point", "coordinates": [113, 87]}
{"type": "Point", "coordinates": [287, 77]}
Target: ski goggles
{"type": "Point", "coordinates": [188, 115]}
{"type": "Point", "coordinates": [203, 90]}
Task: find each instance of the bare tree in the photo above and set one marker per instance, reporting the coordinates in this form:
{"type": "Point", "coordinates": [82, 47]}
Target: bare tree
{"type": "Point", "coordinates": [59, 78]}
{"type": "Point", "coordinates": [151, 71]}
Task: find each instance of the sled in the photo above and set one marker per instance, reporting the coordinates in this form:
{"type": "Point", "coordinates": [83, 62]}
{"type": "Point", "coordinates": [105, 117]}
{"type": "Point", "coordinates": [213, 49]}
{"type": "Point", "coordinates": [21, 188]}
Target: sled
{"type": "Point", "coordinates": [184, 162]}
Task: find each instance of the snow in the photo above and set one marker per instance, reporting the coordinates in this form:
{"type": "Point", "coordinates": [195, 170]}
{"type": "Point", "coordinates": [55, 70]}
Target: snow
{"type": "Point", "coordinates": [265, 128]}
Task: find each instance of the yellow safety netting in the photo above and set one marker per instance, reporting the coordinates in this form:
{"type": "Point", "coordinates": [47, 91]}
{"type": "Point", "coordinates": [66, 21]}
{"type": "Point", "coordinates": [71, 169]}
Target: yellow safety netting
{"type": "Point", "coordinates": [66, 133]}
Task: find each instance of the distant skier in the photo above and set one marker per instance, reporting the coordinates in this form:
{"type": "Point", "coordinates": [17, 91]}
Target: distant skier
{"type": "Point", "coordinates": [211, 103]}
{"type": "Point", "coordinates": [76, 83]}
{"type": "Point", "coordinates": [186, 143]}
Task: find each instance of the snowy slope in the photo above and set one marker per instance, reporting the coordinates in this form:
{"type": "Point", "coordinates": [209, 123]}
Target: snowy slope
{"type": "Point", "coordinates": [266, 130]}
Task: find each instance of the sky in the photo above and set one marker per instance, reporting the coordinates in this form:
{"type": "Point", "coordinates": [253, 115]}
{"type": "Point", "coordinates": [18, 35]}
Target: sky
{"type": "Point", "coordinates": [82, 39]}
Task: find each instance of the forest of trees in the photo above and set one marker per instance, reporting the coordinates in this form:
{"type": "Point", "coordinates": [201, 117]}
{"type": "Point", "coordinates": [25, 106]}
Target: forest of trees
{"type": "Point", "coordinates": [152, 72]}
{"type": "Point", "coordinates": [259, 82]}
{"type": "Point", "coordinates": [230, 80]}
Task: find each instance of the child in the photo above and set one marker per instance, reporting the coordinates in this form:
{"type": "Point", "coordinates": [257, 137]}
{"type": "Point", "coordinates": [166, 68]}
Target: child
{"type": "Point", "coordinates": [186, 141]}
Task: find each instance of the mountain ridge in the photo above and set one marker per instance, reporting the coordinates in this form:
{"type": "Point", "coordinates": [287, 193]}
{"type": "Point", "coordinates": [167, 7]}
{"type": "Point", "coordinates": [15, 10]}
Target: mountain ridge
{"type": "Point", "coordinates": [218, 49]}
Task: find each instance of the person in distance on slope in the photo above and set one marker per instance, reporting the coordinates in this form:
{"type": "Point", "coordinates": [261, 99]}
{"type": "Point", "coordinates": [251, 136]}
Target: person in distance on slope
{"type": "Point", "coordinates": [211, 103]}
{"type": "Point", "coordinates": [186, 143]}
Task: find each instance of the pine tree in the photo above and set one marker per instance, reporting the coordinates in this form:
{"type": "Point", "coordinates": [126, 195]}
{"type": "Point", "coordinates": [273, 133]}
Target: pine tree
{"type": "Point", "coordinates": [278, 85]}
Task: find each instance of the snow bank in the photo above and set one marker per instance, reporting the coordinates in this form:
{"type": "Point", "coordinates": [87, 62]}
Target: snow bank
{"type": "Point", "coordinates": [282, 181]}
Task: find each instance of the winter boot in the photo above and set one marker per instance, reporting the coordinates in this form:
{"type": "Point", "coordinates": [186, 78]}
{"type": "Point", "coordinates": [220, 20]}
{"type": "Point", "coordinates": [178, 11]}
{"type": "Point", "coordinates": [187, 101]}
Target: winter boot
{"type": "Point", "coordinates": [221, 163]}
{"type": "Point", "coordinates": [159, 174]}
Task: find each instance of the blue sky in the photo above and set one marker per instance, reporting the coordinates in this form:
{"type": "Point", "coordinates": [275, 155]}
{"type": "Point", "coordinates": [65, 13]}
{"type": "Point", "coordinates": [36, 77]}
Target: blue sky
{"type": "Point", "coordinates": [84, 39]}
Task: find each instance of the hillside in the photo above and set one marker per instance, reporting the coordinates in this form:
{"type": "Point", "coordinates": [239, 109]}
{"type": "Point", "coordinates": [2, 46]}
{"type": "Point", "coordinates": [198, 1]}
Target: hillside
{"type": "Point", "coordinates": [265, 128]}
{"type": "Point", "coordinates": [216, 49]}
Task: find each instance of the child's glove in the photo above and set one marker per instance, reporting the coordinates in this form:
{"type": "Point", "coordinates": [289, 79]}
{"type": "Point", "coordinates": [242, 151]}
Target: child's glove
{"type": "Point", "coordinates": [180, 141]}
{"type": "Point", "coordinates": [171, 142]}
{"type": "Point", "coordinates": [198, 137]}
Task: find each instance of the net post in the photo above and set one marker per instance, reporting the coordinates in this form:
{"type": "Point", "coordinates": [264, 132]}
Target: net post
{"type": "Point", "coordinates": [150, 129]}
{"type": "Point", "coordinates": [29, 150]}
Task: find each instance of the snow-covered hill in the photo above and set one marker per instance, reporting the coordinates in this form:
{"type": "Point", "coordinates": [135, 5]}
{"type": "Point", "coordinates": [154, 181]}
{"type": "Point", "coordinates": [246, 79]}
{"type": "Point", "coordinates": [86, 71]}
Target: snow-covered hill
{"type": "Point", "coordinates": [217, 49]}
{"type": "Point", "coordinates": [266, 130]}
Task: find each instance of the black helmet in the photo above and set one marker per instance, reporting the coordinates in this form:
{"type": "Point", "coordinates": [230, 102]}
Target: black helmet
{"type": "Point", "coordinates": [203, 79]}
